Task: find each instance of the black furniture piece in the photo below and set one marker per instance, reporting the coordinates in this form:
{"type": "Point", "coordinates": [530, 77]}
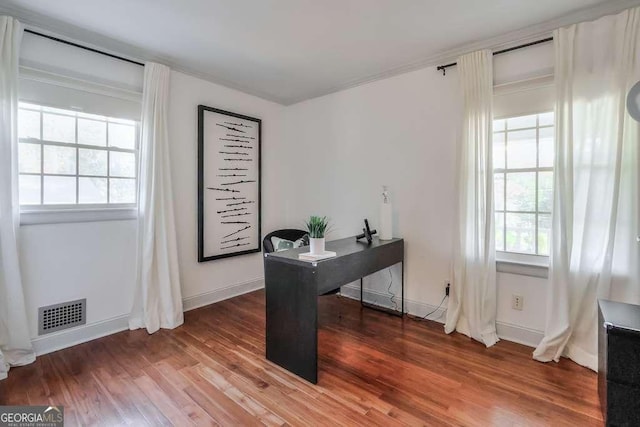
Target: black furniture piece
{"type": "Point", "coordinates": [367, 232]}
{"type": "Point", "coordinates": [619, 362]}
{"type": "Point", "coordinates": [289, 234]}
{"type": "Point", "coordinates": [292, 290]}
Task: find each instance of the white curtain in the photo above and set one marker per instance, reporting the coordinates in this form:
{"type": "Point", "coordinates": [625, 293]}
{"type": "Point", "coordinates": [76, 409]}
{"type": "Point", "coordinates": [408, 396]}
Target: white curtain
{"type": "Point", "coordinates": [472, 303]}
{"type": "Point", "coordinates": [595, 212]}
{"type": "Point", "coordinates": [15, 340]}
{"type": "Point", "coordinates": [158, 300]}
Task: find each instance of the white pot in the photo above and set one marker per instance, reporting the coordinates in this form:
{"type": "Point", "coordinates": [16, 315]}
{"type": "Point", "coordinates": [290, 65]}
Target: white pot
{"type": "Point", "coordinates": [317, 246]}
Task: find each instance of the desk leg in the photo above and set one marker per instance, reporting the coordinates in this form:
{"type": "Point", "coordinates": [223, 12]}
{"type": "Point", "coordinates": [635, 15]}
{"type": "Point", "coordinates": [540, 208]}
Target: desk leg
{"type": "Point", "coordinates": [381, 308]}
{"type": "Point", "coordinates": [292, 318]}
{"type": "Point", "coordinates": [402, 285]}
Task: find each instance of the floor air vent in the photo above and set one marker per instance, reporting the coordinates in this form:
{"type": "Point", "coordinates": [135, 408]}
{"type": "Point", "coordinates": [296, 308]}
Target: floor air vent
{"type": "Point", "coordinates": [62, 316]}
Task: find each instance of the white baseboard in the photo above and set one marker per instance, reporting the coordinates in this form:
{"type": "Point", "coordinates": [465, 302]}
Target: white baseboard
{"type": "Point", "coordinates": [74, 336]}
{"type": "Point", "coordinates": [506, 331]}
{"type": "Point", "coordinates": [58, 340]}
{"type": "Point", "coordinates": [519, 334]}
{"type": "Point", "coordinates": [383, 299]}
{"type": "Point", "coordinates": [221, 294]}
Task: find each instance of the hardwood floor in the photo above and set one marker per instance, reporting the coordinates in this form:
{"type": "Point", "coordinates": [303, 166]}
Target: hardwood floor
{"type": "Point", "coordinates": [374, 369]}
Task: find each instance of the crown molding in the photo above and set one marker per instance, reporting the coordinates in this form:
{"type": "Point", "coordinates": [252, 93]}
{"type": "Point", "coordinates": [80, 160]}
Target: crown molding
{"type": "Point", "coordinates": [75, 34]}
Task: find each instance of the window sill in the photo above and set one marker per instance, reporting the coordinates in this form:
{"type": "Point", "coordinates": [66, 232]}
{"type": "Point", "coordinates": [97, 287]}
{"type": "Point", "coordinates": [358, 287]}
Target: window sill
{"type": "Point", "coordinates": [522, 268]}
{"type": "Point", "coordinates": [60, 216]}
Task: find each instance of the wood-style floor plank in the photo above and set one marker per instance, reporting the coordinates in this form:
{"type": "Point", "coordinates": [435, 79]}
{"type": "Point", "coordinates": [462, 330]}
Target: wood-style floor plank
{"type": "Point", "coordinates": [374, 369]}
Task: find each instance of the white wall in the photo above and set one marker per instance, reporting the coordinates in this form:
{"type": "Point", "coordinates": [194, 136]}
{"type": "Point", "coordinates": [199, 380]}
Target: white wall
{"type": "Point", "coordinates": [398, 132]}
{"type": "Point", "coordinates": [330, 156]}
{"type": "Point", "coordinates": [93, 260]}
{"type": "Point", "coordinates": [186, 93]}
{"type": "Point", "coordinates": [526, 325]}
{"type": "Point", "coordinates": [96, 260]}
{"type": "Point", "coordinates": [402, 132]}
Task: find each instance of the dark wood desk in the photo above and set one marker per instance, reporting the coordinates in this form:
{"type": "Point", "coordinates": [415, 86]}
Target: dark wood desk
{"type": "Point", "coordinates": [292, 288]}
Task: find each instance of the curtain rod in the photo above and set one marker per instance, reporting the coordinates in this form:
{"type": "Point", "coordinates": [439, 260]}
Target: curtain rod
{"type": "Point", "coordinates": [443, 68]}
{"type": "Point", "coordinates": [26, 30]}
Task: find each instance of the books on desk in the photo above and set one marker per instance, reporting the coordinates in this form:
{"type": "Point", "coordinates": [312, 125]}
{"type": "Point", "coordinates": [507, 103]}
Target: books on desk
{"type": "Point", "coordinates": [307, 256]}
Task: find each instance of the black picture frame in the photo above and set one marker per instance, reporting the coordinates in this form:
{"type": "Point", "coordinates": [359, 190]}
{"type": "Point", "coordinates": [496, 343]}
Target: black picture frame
{"type": "Point", "coordinates": [207, 191]}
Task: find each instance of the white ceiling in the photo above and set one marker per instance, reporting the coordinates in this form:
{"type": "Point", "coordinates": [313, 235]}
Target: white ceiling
{"type": "Point", "coordinates": [289, 50]}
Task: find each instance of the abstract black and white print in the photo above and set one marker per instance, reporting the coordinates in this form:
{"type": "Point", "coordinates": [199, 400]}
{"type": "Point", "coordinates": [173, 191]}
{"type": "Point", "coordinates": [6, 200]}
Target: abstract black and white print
{"type": "Point", "coordinates": [229, 184]}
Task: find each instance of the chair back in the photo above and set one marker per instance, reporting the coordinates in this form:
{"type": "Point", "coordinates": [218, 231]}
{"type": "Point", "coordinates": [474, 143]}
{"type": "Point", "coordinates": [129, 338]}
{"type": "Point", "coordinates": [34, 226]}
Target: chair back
{"type": "Point", "coordinates": [288, 234]}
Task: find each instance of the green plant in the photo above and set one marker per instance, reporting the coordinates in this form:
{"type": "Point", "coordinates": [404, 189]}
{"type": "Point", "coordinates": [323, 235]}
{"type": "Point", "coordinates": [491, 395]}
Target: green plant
{"type": "Point", "coordinates": [316, 226]}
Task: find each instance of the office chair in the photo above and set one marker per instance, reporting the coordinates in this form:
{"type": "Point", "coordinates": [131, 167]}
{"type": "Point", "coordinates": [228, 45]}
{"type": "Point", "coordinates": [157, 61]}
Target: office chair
{"type": "Point", "coordinates": [288, 234]}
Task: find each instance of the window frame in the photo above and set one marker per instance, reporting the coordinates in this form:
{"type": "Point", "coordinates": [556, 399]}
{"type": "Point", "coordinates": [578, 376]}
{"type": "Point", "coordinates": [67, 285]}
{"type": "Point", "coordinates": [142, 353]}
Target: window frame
{"type": "Point", "coordinates": [78, 212]}
{"type": "Point", "coordinates": [508, 261]}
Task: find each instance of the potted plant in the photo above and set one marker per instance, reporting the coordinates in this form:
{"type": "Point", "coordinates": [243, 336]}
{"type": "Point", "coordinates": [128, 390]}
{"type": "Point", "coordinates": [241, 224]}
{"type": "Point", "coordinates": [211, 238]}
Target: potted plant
{"type": "Point", "coordinates": [316, 226]}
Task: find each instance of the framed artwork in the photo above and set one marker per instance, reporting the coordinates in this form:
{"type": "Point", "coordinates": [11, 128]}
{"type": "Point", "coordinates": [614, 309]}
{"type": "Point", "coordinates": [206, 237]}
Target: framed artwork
{"type": "Point", "coordinates": [228, 184]}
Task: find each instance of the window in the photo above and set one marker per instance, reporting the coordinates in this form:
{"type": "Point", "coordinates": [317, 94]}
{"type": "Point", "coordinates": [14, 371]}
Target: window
{"type": "Point", "coordinates": [72, 159]}
{"type": "Point", "coordinates": [523, 152]}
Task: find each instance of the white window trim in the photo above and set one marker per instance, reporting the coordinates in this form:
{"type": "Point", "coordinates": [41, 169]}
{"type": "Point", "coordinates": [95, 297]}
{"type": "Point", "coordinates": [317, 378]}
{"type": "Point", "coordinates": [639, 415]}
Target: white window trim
{"type": "Point", "coordinates": [524, 85]}
{"type": "Point", "coordinates": [74, 213]}
{"type": "Point", "coordinates": [522, 264]}
{"type": "Point", "coordinates": [526, 261]}
{"type": "Point", "coordinates": [51, 78]}
{"type": "Point", "coordinates": [510, 262]}
{"type": "Point", "coordinates": [88, 213]}
{"type": "Point", "coordinates": [514, 258]}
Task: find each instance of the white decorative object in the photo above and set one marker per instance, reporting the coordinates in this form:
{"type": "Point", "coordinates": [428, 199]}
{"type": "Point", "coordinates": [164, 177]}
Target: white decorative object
{"type": "Point", "coordinates": [386, 216]}
{"type": "Point", "coordinates": [633, 102]}
{"type": "Point", "coordinates": [317, 245]}
{"type": "Point", "coordinates": [308, 256]}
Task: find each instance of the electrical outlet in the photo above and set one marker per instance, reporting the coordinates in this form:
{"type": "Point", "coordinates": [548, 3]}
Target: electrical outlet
{"type": "Point", "coordinates": [517, 302]}
{"type": "Point", "coordinates": [447, 286]}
